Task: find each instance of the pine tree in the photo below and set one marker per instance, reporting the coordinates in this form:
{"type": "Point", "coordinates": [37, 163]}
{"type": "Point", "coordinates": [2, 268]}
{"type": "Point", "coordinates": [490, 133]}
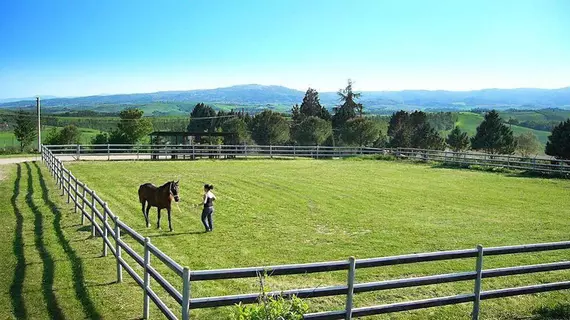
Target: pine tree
{"type": "Point", "coordinates": [558, 144]}
{"type": "Point", "coordinates": [493, 136]}
{"type": "Point", "coordinates": [347, 109]}
{"type": "Point", "coordinates": [311, 106]}
{"type": "Point", "coordinates": [457, 140]}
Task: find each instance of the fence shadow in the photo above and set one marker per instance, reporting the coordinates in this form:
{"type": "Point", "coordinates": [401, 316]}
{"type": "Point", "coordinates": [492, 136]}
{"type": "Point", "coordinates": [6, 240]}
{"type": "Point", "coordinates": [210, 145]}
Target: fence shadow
{"type": "Point", "coordinates": [81, 292]}
{"type": "Point", "coordinates": [18, 305]}
{"type": "Point", "coordinates": [556, 312]}
{"type": "Point", "coordinates": [48, 263]}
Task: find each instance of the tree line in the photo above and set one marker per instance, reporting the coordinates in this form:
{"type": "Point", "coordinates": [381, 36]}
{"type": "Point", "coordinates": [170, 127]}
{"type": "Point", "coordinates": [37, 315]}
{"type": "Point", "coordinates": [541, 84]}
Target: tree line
{"type": "Point", "coordinates": [312, 124]}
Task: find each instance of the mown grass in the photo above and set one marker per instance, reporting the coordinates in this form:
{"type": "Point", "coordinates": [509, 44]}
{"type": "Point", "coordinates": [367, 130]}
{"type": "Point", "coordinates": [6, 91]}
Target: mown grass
{"type": "Point", "coordinates": [51, 268]}
{"type": "Point", "coordinates": [276, 212]}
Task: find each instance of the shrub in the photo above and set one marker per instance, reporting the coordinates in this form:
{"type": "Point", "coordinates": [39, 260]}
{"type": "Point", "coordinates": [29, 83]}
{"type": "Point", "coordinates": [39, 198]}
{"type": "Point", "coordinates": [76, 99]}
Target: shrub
{"type": "Point", "coordinates": [272, 309]}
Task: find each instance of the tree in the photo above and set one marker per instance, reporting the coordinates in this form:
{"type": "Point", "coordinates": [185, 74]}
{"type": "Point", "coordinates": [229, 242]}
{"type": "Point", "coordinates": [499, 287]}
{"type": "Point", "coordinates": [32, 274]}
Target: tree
{"type": "Point", "coordinates": [312, 131]}
{"type": "Point", "coordinates": [527, 144]}
{"type": "Point", "coordinates": [68, 135]}
{"type": "Point", "coordinates": [381, 142]}
{"type": "Point", "coordinates": [558, 144]}
{"type": "Point", "coordinates": [426, 137]}
{"type": "Point", "coordinates": [311, 106]}
{"type": "Point", "coordinates": [202, 119]}
{"type": "Point", "coordinates": [360, 132]}
{"type": "Point", "coordinates": [348, 107]}
{"type": "Point", "coordinates": [412, 130]}
{"type": "Point", "coordinates": [239, 128]}
{"type": "Point", "coordinates": [457, 140]}
{"type": "Point", "coordinates": [398, 121]}
{"type": "Point", "coordinates": [132, 127]}
{"type": "Point", "coordinates": [25, 130]}
{"type": "Point", "coordinates": [296, 114]}
{"type": "Point", "coordinates": [493, 136]}
{"type": "Point", "coordinates": [269, 128]}
{"type": "Point", "coordinates": [100, 138]}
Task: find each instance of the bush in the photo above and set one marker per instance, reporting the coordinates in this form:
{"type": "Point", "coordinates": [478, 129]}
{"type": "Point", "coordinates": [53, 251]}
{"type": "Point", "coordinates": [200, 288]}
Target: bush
{"type": "Point", "coordinates": [272, 309]}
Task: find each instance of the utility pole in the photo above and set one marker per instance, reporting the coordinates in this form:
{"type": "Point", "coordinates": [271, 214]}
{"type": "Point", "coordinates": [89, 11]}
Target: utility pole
{"type": "Point", "coordinates": [39, 126]}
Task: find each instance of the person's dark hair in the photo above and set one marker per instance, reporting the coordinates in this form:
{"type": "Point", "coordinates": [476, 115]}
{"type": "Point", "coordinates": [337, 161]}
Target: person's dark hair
{"type": "Point", "coordinates": [209, 186]}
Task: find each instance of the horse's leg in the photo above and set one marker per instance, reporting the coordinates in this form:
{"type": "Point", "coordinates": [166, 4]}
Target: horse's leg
{"type": "Point", "coordinates": [145, 212]}
{"type": "Point", "coordinates": [169, 223]}
{"type": "Point", "coordinates": [158, 222]}
{"type": "Point", "coordinates": [146, 216]}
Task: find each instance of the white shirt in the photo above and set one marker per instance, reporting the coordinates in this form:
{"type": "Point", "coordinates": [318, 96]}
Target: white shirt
{"type": "Point", "coordinates": [209, 195]}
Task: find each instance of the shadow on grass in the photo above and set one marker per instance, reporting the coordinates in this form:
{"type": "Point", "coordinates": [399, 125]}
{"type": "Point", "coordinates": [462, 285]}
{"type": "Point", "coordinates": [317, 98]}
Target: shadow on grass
{"type": "Point", "coordinates": [501, 170]}
{"type": "Point", "coordinates": [175, 234]}
{"type": "Point", "coordinates": [79, 286]}
{"type": "Point", "coordinates": [47, 260]}
{"type": "Point", "coordinates": [555, 312]}
{"type": "Point", "coordinates": [18, 306]}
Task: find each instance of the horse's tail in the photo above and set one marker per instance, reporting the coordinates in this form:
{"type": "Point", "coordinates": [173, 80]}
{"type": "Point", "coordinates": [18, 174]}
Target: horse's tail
{"type": "Point", "coordinates": [141, 194]}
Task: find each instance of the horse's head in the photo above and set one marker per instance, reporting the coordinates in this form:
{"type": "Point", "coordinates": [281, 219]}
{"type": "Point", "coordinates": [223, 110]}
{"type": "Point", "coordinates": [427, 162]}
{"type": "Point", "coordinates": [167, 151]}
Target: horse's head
{"type": "Point", "coordinates": [174, 190]}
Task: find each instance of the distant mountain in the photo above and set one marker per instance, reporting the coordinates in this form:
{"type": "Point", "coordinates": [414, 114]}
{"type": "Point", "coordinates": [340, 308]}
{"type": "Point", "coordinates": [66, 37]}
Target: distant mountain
{"type": "Point", "coordinates": [24, 99]}
{"type": "Point", "coordinates": [259, 95]}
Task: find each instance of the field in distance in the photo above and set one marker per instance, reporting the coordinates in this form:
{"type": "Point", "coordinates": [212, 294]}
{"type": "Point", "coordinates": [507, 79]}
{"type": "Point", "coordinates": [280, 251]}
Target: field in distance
{"type": "Point", "coordinates": [295, 211]}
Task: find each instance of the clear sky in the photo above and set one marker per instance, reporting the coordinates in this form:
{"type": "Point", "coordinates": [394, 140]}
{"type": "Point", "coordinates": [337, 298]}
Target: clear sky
{"type": "Point", "coordinates": [73, 48]}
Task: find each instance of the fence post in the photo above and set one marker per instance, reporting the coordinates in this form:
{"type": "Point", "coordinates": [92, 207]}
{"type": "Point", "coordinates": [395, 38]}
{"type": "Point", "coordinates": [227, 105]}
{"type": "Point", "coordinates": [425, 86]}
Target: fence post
{"type": "Point", "coordinates": [83, 204]}
{"type": "Point", "coordinates": [78, 152]}
{"type": "Point", "coordinates": [105, 209]}
{"type": "Point", "coordinates": [146, 278]}
{"type": "Point", "coordinates": [350, 282]}
{"type": "Point", "coordinates": [108, 151]}
{"type": "Point", "coordinates": [294, 152]}
{"type": "Point", "coordinates": [271, 152]}
{"type": "Point", "coordinates": [317, 152]}
{"type": "Point", "coordinates": [118, 250]}
{"type": "Point", "coordinates": [245, 149]}
{"type": "Point", "coordinates": [93, 203]}
{"type": "Point", "coordinates": [75, 201]}
{"type": "Point", "coordinates": [186, 293]}
{"type": "Point", "coordinates": [477, 291]}
{"type": "Point", "coordinates": [68, 186]}
{"type": "Point", "coordinates": [61, 179]}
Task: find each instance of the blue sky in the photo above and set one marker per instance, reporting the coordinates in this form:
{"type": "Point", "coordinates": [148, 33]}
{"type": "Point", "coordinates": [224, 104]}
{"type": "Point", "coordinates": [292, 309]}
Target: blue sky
{"type": "Point", "coordinates": [72, 48]}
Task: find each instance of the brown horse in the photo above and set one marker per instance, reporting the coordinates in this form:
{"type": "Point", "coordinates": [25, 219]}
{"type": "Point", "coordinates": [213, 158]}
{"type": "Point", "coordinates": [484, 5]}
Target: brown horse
{"type": "Point", "coordinates": [159, 197]}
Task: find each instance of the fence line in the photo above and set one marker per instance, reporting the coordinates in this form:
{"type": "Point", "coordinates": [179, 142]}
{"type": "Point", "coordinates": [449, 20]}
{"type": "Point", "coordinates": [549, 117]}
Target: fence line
{"type": "Point", "coordinates": [89, 204]}
{"type": "Point", "coordinates": [534, 164]}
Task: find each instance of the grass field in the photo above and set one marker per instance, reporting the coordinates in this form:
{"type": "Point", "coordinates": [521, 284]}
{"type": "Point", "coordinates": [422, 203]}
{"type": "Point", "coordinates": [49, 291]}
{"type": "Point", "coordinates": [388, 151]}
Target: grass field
{"type": "Point", "coordinates": [285, 211]}
{"type": "Point", "coordinates": [7, 138]}
{"type": "Point", "coordinates": [273, 212]}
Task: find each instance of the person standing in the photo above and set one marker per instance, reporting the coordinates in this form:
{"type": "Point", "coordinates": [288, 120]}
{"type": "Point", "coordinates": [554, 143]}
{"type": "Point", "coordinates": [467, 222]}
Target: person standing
{"type": "Point", "coordinates": [208, 210]}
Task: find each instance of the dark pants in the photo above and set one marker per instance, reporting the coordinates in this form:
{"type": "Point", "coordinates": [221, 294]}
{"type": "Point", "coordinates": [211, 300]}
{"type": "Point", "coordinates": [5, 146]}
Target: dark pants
{"type": "Point", "coordinates": [207, 218]}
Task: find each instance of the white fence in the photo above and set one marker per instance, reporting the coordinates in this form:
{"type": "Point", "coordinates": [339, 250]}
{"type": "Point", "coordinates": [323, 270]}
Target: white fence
{"type": "Point", "coordinates": [116, 152]}
{"type": "Point", "coordinates": [98, 213]}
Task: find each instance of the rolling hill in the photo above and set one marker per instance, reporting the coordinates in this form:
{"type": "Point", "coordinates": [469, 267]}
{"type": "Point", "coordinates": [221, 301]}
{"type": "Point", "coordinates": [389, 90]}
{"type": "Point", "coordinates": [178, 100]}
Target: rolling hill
{"type": "Point", "coordinates": [281, 98]}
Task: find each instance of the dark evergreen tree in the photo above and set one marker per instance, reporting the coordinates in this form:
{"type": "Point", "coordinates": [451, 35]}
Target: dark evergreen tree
{"type": "Point", "coordinates": [202, 119]}
{"type": "Point", "coordinates": [311, 106]}
{"type": "Point", "coordinates": [348, 106]}
{"type": "Point", "coordinates": [558, 144]}
{"type": "Point", "coordinates": [493, 136]}
{"type": "Point", "coordinates": [458, 140]}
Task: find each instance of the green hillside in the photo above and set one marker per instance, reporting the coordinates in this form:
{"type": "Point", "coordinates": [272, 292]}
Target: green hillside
{"type": "Point", "coordinates": [469, 121]}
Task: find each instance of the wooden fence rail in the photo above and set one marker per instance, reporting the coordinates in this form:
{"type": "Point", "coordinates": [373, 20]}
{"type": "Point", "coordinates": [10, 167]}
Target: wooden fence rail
{"type": "Point", "coordinates": [535, 164]}
{"type": "Point", "coordinates": [112, 230]}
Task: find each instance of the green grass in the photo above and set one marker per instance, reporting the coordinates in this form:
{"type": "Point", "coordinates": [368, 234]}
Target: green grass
{"type": "Point", "coordinates": [7, 138]}
{"type": "Point", "coordinates": [276, 212]}
{"type": "Point", "coordinates": [50, 267]}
